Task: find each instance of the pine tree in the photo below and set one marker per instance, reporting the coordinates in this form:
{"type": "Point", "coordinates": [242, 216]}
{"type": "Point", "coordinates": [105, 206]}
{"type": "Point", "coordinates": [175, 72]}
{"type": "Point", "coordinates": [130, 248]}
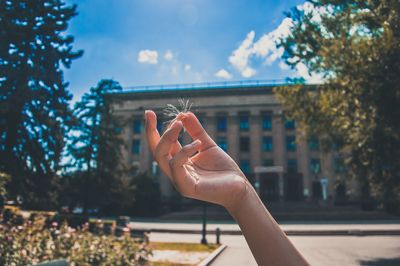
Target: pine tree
{"type": "Point", "coordinates": [95, 147]}
{"type": "Point", "coordinates": [34, 97]}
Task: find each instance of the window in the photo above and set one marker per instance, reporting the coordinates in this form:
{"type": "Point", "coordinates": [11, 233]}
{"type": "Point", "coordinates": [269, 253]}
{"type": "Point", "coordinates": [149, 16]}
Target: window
{"type": "Point", "coordinates": [315, 166]}
{"type": "Point", "coordinates": [292, 166]}
{"type": "Point", "coordinates": [244, 143]}
{"type": "Point", "coordinates": [267, 144]}
{"type": "Point", "coordinates": [290, 143]}
{"type": "Point", "coordinates": [245, 166]}
{"type": "Point", "coordinates": [266, 122]}
{"type": "Point", "coordinates": [268, 162]}
{"type": "Point", "coordinates": [221, 123]}
{"type": "Point", "coordinates": [244, 123]}
{"type": "Point", "coordinates": [313, 143]}
{"type": "Point", "coordinates": [290, 124]}
{"type": "Point", "coordinates": [136, 146]}
{"type": "Point", "coordinates": [137, 126]}
{"type": "Point", "coordinates": [221, 142]}
{"type": "Point", "coordinates": [159, 126]}
{"type": "Point", "coordinates": [338, 165]}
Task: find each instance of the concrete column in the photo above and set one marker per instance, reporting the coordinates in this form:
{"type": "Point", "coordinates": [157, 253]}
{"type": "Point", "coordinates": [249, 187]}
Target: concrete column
{"type": "Point", "coordinates": [255, 139]}
{"type": "Point", "coordinates": [233, 136]}
{"type": "Point", "coordinates": [210, 124]}
{"type": "Point", "coordinates": [279, 148]}
{"type": "Point", "coordinates": [303, 163]}
{"type": "Point", "coordinates": [278, 135]}
{"type": "Point", "coordinates": [127, 135]}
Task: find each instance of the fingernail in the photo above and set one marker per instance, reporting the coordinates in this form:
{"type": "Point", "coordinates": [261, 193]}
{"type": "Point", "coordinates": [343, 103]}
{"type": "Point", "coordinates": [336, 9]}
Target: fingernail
{"type": "Point", "coordinates": [195, 143]}
{"type": "Point", "coordinates": [145, 113]}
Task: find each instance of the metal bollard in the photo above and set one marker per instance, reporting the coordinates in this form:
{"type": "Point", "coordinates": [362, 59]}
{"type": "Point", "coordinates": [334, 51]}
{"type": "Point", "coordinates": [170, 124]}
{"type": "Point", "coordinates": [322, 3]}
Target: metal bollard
{"type": "Point", "coordinates": [218, 234]}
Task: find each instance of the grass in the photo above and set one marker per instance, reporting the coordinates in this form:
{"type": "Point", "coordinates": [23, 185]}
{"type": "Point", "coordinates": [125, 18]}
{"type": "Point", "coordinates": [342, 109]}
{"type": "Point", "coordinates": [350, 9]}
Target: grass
{"type": "Point", "coordinates": [184, 247]}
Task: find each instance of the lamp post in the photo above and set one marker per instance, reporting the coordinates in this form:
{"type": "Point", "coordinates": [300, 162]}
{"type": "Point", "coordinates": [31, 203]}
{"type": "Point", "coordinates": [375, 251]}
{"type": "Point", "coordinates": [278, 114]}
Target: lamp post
{"type": "Point", "coordinates": [204, 231]}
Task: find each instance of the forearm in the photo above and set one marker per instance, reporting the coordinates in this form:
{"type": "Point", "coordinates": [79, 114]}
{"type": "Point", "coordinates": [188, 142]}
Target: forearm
{"type": "Point", "coordinates": [268, 243]}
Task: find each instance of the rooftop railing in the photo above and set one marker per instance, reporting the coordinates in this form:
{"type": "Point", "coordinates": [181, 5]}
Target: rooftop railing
{"type": "Point", "coordinates": [211, 85]}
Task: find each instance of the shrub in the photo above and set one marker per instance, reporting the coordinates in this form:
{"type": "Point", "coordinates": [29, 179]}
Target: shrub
{"type": "Point", "coordinates": [33, 242]}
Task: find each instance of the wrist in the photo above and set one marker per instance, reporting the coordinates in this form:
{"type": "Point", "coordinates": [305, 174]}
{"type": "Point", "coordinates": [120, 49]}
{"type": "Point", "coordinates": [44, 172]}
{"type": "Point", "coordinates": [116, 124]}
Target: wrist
{"type": "Point", "coordinates": [242, 200]}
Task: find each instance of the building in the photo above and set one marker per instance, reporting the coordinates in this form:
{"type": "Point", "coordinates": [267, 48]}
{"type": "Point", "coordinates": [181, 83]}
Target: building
{"type": "Point", "coordinates": [246, 121]}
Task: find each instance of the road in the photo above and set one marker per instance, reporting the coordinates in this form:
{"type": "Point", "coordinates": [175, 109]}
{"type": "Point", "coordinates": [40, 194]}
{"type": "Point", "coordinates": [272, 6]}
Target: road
{"type": "Point", "coordinates": [319, 250]}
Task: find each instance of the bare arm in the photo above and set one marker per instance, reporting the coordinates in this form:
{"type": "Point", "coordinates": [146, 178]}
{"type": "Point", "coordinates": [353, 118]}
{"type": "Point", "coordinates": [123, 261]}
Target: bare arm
{"type": "Point", "coordinates": [201, 170]}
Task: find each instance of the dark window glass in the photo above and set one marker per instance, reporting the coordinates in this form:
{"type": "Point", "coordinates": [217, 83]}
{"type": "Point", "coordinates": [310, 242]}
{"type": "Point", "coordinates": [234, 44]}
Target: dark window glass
{"type": "Point", "coordinates": [245, 166]}
{"type": "Point", "coordinates": [338, 165]}
{"type": "Point", "coordinates": [290, 143]}
{"type": "Point", "coordinates": [315, 166]}
{"type": "Point", "coordinates": [221, 142]}
{"type": "Point", "coordinates": [201, 120]}
{"type": "Point", "coordinates": [221, 123]}
{"type": "Point", "coordinates": [159, 126]}
{"type": "Point", "coordinates": [136, 146]}
{"type": "Point", "coordinates": [268, 162]}
{"type": "Point", "coordinates": [244, 123]}
{"type": "Point", "coordinates": [313, 143]}
{"type": "Point", "coordinates": [290, 124]}
{"type": "Point", "coordinates": [267, 122]}
{"type": "Point", "coordinates": [244, 143]}
{"type": "Point", "coordinates": [267, 144]}
{"type": "Point", "coordinates": [137, 126]}
{"type": "Point", "coordinates": [292, 166]}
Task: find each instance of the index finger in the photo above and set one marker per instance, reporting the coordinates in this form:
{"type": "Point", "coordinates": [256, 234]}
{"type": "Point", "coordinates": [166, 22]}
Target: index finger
{"type": "Point", "coordinates": [152, 135]}
{"type": "Point", "coordinates": [196, 130]}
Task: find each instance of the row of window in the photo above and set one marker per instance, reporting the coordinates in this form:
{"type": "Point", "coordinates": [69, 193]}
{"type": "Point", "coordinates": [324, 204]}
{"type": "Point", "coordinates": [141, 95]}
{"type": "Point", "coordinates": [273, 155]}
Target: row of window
{"type": "Point", "coordinates": [267, 143]}
{"type": "Point", "coordinates": [222, 124]}
{"type": "Point", "coordinates": [244, 144]}
{"type": "Point", "coordinates": [315, 165]}
{"type": "Point", "coordinates": [244, 124]}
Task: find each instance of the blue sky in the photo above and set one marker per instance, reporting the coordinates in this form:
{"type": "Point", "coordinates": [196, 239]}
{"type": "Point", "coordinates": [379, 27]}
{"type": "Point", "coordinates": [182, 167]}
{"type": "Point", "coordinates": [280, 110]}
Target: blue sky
{"type": "Point", "coordinates": [145, 42]}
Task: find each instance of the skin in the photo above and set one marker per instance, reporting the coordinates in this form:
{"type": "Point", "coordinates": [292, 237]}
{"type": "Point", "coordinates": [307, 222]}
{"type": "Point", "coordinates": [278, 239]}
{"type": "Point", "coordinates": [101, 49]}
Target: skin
{"type": "Point", "coordinates": [203, 171]}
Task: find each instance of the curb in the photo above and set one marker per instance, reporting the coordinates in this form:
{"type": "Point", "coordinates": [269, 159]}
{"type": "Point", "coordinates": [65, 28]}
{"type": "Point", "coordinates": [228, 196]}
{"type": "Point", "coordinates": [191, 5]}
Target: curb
{"type": "Point", "coordinates": [353, 232]}
{"type": "Point", "coordinates": [207, 261]}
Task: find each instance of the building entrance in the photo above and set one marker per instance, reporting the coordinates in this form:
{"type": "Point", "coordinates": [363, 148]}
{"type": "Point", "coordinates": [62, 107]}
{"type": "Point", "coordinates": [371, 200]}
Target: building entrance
{"type": "Point", "coordinates": [269, 187]}
{"type": "Point", "coordinates": [293, 186]}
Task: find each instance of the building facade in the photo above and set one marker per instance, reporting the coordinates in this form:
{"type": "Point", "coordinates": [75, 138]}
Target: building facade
{"type": "Point", "coordinates": [248, 123]}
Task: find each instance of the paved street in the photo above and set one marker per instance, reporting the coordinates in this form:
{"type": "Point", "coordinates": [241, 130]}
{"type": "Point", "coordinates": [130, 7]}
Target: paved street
{"type": "Point", "coordinates": [319, 250]}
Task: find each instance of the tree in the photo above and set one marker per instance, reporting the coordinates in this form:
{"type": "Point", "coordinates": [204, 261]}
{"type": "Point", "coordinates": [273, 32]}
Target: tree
{"type": "Point", "coordinates": [95, 146]}
{"type": "Point", "coordinates": [354, 46]}
{"type": "Point", "coordinates": [33, 95]}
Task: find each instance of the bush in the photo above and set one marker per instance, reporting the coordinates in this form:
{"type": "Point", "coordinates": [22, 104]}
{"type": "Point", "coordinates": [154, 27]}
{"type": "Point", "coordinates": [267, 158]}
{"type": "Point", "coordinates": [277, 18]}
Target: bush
{"type": "Point", "coordinates": [33, 242]}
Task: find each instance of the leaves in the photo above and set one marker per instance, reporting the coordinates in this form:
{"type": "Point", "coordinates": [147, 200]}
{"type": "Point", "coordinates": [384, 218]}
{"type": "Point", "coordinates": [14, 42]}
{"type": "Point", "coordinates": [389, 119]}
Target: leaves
{"type": "Point", "coordinates": [34, 112]}
{"type": "Point", "coordinates": [355, 45]}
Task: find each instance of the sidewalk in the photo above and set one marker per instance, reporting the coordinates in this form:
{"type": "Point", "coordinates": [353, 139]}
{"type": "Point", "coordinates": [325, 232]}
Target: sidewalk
{"type": "Point", "coordinates": [357, 228]}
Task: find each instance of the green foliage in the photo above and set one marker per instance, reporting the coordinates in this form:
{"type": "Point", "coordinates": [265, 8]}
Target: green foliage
{"type": "Point", "coordinates": [355, 46]}
{"type": "Point", "coordinates": [34, 242]}
{"type": "Point", "coordinates": [4, 179]}
{"type": "Point", "coordinates": [95, 146]}
{"type": "Point", "coordinates": [34, 100]}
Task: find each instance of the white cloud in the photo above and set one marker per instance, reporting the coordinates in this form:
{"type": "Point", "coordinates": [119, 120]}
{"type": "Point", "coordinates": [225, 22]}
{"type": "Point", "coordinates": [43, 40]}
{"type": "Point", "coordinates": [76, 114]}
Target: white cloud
{"type": "Point", "coordinates": [222, 73]}
{"type": "Point", "coordinates": [187, 67]}
{"type": "Point", "coordinates": [282, 65]}
{"type": "Point", "coordinates": [240, 57]}
{"type": "Point", "coordinates": [168, 55]}
{"type": "Point", "coordinates": [148, 57]}
{"type": "Point", "coordinates": [265, 48]}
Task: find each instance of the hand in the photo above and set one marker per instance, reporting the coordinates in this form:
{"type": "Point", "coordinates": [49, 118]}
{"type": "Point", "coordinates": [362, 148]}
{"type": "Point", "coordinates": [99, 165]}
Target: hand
{"type": "Point", "coordinates": [200, 170]}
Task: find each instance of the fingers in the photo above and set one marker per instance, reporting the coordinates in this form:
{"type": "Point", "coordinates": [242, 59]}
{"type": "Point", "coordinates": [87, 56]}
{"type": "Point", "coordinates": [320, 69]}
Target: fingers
{"type": "Point", "coordinates": [183, 182]}
{"type": "Point", "coordinates": [164, 146]}
{"type": "Point", "coordinates": [152, 135]}
{"type": "Point", "coordinates": [184, 154]}
{"type": "Point", "coordinates": [196, 130]}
